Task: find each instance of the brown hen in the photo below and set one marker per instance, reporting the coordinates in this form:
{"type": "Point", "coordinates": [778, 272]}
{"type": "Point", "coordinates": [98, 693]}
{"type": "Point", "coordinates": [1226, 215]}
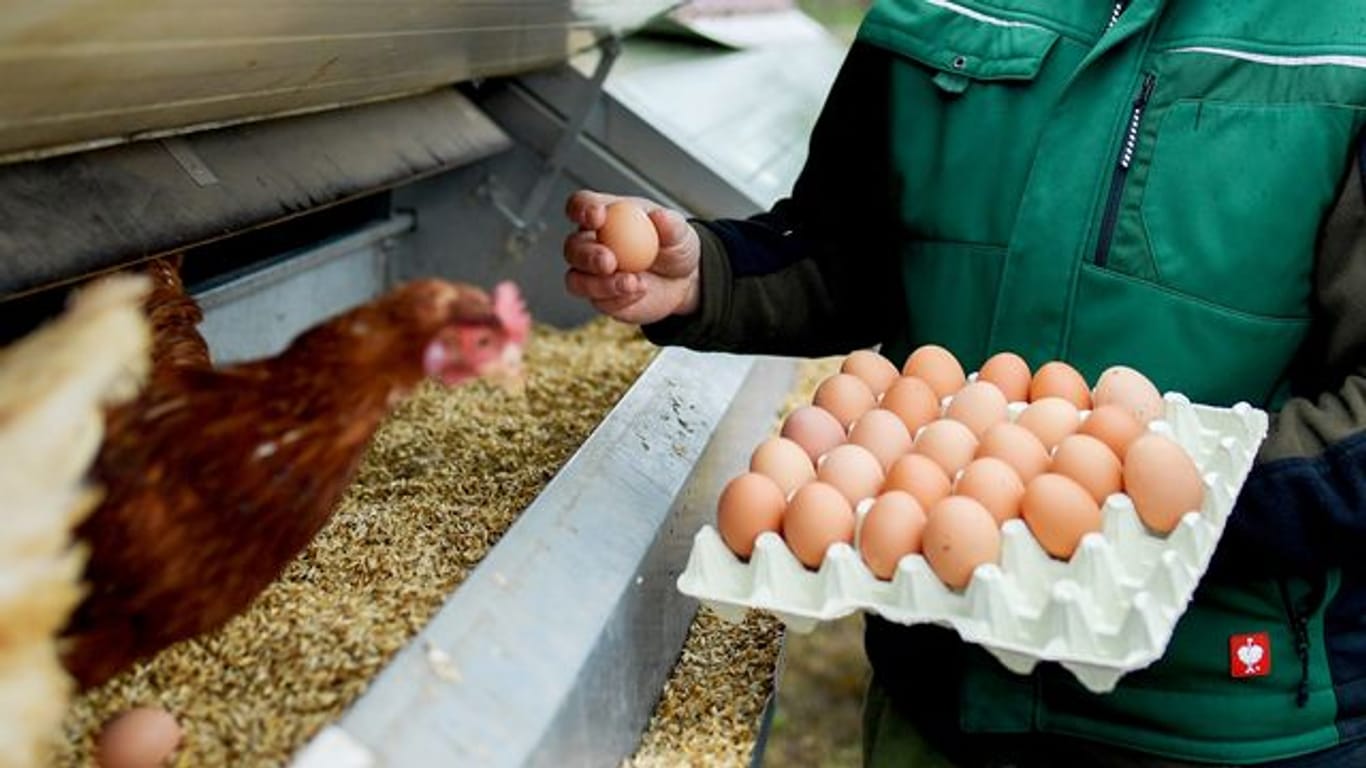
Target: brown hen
{"type": "Point", "coordinates": [216, 479]}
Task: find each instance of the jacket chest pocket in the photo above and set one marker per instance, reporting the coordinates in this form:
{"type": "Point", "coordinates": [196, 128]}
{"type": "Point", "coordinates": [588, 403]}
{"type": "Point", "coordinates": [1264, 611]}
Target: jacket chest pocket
{"type": "Point", "coordinates": [1234, 198]}
{"type": "Point", "coordinates": [964, 110]}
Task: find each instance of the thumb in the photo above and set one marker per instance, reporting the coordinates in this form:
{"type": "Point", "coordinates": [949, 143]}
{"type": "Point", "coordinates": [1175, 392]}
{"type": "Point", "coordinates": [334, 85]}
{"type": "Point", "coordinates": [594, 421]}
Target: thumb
{"type": "Point", "coordinates": [672, 227]}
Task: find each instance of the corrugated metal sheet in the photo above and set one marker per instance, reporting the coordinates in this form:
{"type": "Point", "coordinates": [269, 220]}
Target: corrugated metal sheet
{"type": "Point", "coordinates": [75, 74]}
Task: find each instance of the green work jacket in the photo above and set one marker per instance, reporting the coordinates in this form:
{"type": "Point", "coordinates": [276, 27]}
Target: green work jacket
{"type": "Point", "coordinates": [1166, 184]}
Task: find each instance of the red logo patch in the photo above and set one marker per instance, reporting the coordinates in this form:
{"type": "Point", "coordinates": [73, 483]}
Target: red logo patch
{"type": "Point", "coordinates": [1249, 655]}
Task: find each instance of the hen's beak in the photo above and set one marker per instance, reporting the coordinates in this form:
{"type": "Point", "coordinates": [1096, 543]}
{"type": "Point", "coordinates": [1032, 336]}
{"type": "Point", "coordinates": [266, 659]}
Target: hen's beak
{"type": "Point", "coordinates": [506, 371]}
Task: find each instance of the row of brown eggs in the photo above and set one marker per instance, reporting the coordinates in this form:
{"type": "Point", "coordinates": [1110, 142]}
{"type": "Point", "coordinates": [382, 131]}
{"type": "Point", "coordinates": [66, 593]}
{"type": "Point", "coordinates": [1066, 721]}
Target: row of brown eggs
{"type": "Point", "coordinates": [945, 466]}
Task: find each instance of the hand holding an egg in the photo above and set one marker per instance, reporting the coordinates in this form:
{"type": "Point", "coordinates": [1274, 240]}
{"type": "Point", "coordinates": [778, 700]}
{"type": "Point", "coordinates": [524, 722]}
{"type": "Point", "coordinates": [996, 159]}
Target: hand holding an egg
{"type": "Point", "coordinates": [631, 258]}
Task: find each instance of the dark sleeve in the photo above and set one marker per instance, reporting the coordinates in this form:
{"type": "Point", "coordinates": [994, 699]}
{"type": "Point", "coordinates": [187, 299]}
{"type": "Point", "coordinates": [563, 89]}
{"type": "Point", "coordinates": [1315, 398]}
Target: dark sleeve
{"type": "Point", "coordinates": [815, 275]}
{"type": "Point", "coordinates": [1304, 505]}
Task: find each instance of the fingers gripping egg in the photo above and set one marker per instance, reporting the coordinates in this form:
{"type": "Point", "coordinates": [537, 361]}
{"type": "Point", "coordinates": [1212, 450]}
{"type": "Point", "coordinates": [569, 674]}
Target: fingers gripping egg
{"type": "Point", "coordinates": [630, 234]}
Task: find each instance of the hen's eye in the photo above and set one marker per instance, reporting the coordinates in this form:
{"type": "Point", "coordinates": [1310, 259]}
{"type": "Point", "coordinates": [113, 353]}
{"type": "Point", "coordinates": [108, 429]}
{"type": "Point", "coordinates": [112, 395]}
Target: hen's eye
{"type": "Point", "coordinates": [484, 341]}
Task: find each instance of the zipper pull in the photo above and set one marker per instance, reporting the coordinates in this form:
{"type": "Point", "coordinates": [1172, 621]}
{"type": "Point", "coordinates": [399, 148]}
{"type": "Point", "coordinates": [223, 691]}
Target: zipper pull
{"type": "Point", "coordinates": [1126, 157]}
{"type": "Point", "coordinates": [1118, 11]}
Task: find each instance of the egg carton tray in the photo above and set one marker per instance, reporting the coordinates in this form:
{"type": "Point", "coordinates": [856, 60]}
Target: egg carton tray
{"type": "Point", "coordinates": [1107, 611]}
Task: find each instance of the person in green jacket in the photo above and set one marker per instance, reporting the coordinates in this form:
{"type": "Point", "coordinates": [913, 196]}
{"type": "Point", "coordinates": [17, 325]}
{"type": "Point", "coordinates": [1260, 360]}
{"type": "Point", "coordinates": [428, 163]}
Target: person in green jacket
{"type": "Point", "coordinates": [1174, 185]}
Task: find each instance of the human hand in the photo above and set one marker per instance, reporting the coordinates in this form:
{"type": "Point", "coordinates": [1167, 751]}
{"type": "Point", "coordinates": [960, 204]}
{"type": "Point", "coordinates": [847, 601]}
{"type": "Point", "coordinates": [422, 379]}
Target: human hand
{"type": "Point", "coordinates": [672, 284]}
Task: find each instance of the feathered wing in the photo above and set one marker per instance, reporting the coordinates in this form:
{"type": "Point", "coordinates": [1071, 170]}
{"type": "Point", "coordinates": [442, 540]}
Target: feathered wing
{"type": "Point", "coordinates": [54, 384]}
{"type": "Point", "coordinates": [175, 319]}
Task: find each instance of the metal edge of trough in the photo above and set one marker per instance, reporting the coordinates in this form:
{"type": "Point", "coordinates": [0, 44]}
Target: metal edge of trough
{"type": "Point", "coordinates": [555, 650]}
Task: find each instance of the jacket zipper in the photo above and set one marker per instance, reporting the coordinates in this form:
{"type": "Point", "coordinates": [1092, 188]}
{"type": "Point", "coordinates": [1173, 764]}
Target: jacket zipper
{"type": "Point", "coordinates": [1118, 11]}
{"type": "Point", "coordinates": [1299, 625]}
{"type": "Point", "coordinates": [1126, 159]}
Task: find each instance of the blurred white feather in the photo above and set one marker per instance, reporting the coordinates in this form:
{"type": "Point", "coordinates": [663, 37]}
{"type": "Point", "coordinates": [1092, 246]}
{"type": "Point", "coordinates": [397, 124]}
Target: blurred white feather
{"type": "Point", "coordinates": [54, 386]}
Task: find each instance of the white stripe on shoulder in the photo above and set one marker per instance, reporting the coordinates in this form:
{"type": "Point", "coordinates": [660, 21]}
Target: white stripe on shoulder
{"type": "Point", "coordinates": [979, 16]}
{"type": "Point", "coordinates": [1359, 62]}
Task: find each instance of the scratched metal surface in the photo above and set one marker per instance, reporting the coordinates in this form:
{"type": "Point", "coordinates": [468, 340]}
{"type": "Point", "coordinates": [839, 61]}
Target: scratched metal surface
{"type": "Point", "coordinates": [76, 74]}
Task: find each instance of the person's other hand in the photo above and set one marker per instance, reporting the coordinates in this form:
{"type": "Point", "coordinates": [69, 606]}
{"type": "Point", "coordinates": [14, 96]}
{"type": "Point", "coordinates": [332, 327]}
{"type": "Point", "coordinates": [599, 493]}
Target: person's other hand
{"type": "Point", "coordinates": [669, 287]}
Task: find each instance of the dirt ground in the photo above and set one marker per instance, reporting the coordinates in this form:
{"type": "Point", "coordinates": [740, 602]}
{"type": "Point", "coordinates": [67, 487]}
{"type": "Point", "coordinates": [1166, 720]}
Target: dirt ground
{"type": "Point", "coordinates": [820, 694]}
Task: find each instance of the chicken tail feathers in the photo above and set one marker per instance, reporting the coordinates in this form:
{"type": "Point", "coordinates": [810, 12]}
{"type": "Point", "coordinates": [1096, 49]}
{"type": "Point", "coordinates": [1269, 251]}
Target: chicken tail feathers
{"type": "Point", "coordinates": [174, 318]}
{"type": "Point", "coordinates": [511, 311]}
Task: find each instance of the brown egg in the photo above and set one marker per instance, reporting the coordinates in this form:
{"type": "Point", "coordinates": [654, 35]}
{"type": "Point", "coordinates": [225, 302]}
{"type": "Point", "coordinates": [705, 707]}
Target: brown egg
{"type": "Point", "coordinates": [145, 737]}
{"type": "Point", "coordinates": [891, 530]}
{"type": "Point", "coordinates": [960, 534]}
{"type": "Point", "coordinates": [1059, 512]}
{"type": "Point", "coordinates": [1113, 426]}
{"type": "Point", "coordinates": [814, 429]}
{"type": "Point", "coordinates": [1010, 373]}
{"type": "Point", "coordinates": [919, 476]}
{"type": "Point", "coordinates": [817, 517]}
{"type": "Point", "coordinates": [1050, 419]}
{"type": "Point", "coordinates": [1091, 463]}
{"type": "Point", "coordinates": [995, 484]}
{"type": "Point", "coordinates": [1017, 447]}
{"type": "Point", "coordinates": [783, 461]}
{"type": "Point", "coordinates": [749, 505]}
{"type": "Point", "coordinates": [853, 469]}
{"type": "Point", "coordinates": [883, 434]}
{"type": "Point", "coordinates": [980, 405]}
{"type": "Point", "coordinates": [1162, 480]}
{"type": "Point", "coordinates": [1058, 379]}
{"type": "Point", "coordinates": [1130, 390]}
{"type": "Point", "coordinates": [937, 367]}
{"type": "Point", "coordinates": [875, 370]}
{"type": "Point", "coordinates": [950, 443]}
{"type": "Point", "coordinates": [845, 396]}
{"type": "Point", "coordinates": [912, 400]}
{"type": "Point", "coordinates": [631, 235]}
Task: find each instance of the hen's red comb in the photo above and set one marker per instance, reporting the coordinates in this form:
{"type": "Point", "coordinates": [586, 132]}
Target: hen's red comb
{"type": "Point", "coordinates": [511, 311]}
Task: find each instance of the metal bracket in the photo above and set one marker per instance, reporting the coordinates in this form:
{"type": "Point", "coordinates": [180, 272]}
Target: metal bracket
{"type": "Point", "coordinates": [526, 223]}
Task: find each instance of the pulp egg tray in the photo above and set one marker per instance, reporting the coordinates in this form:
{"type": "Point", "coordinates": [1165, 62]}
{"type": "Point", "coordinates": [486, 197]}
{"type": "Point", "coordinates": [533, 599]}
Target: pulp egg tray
{"type": "Point", "coordinates": [1109, 610]}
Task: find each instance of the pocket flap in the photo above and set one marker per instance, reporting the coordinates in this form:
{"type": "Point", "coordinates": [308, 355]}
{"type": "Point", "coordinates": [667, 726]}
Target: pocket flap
{"type": "Point", "coordinates": [956, 39]}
